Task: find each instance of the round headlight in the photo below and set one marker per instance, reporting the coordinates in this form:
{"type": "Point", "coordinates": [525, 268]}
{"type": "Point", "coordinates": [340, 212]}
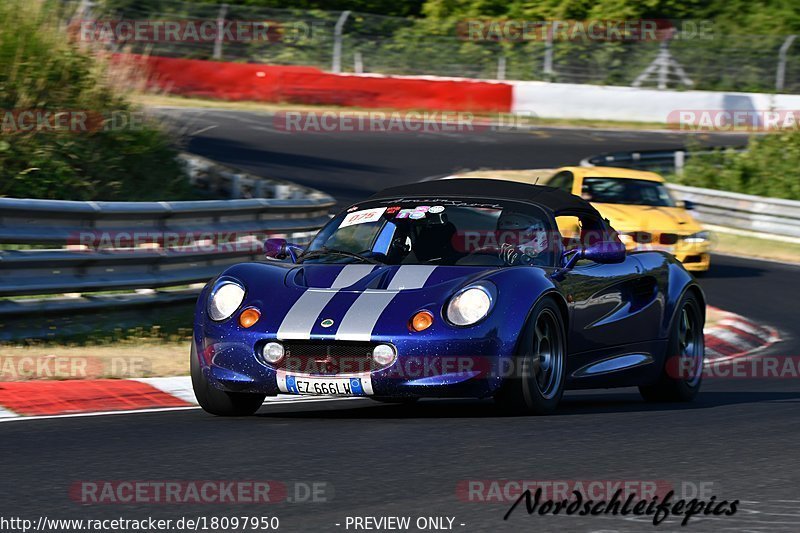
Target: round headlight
{"type": "Point", "coordinates": [383, 354]}
{"type": "Point", "coordinates": [272, 352]}
{"type": "Point", "coordinates": [225, 300]}
{"type": "Point", "coordinates": [469, 306]}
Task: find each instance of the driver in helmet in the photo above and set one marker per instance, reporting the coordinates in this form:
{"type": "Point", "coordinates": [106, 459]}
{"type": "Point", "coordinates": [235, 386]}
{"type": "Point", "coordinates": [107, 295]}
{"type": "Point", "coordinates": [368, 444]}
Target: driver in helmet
{"type": "Point", "coordinates": [523, 238]}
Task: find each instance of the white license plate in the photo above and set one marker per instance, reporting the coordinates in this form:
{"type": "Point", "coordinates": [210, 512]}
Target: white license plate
{"type": "Point", "coordinates": [360, 385]}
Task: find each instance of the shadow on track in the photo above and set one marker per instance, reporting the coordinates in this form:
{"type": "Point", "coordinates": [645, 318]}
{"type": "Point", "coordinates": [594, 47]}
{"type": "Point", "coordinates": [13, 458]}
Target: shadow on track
{"type": "Point", "coordinates": [571, 405]}
{"type": "Point", "coordinates": [728, 271]}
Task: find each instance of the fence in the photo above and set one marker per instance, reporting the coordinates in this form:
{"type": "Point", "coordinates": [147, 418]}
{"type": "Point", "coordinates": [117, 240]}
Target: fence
{"type": "Point", "coordinates": [696, 55]}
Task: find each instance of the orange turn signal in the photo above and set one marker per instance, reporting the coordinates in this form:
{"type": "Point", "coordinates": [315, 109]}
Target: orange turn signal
{"type": "Point", "coordinates": [249, 317]}
{"type": "Point", "coordinates": [421, 321]}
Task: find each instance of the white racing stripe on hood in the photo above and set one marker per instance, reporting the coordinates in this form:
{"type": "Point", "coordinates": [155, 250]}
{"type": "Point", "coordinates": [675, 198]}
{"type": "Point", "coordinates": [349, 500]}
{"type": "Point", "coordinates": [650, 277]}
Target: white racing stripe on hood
{"type": "Point", "coordinates": [300, 319]}
{"type": "Point", "coordinates": [350, 274]}
{"type": "Point", "coordinates": [360, 319]}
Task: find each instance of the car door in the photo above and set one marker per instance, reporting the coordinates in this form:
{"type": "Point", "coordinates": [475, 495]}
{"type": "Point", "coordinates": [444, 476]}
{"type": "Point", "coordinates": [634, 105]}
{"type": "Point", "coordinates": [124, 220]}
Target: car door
{"type": "Point", "coordinates": [611, 304]}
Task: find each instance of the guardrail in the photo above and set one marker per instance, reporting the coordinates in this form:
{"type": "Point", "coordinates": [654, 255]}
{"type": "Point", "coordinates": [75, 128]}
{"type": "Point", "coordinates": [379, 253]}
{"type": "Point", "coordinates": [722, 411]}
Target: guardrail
{"type": "Point", "coordinates": [771, 216]}
{"type": "Point", "coordinates": [662, 161]}
{"type": "Point", "coordinates": [222, 181]}
{"type": "Point", "coordinates": [71, 248]}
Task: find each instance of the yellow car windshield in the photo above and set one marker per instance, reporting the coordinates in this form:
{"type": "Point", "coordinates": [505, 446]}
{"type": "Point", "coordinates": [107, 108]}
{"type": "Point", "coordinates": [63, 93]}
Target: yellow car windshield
{"type": "Point", "coordinates": [626, 191]}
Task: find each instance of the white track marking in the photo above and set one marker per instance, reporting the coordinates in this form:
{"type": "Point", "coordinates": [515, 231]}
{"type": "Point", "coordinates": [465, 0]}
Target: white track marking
{"type": "Point", "coordinates": [5, 413]}
{"type": "Point", "coordinates": [269, 402]}
{"type": "Point", "coordinates": [98, 413]}
{"type": "Point", "coordinates": [177, 386]}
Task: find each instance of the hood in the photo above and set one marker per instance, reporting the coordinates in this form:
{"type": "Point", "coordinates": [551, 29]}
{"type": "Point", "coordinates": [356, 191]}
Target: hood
{"type": "Point", "coordinates": [648, 218]}
{"type": "Point", "coordinates": [361, 277]}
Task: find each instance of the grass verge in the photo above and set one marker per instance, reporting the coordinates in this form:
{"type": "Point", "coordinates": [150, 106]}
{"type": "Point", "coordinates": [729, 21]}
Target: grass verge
{"type": "Point", "coordinates": [138, 358]}
{"type": "Point", "coordinates": [747, 246]}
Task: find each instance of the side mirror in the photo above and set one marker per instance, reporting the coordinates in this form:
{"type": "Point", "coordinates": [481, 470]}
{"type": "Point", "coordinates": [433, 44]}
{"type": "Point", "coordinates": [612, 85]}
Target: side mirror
{"type": "Point", "coordinates": [606, 252]}
{"type": "Point", "coordinates": [688, 205]}
{"type": "Point", "coordinates": [280, 249]}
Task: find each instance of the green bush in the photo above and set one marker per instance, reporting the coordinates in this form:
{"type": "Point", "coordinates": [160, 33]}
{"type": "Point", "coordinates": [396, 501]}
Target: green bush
{"type": "Point", "coordinates": [769, 167]}
{"type": "Point", "coordinates": [45, 70]}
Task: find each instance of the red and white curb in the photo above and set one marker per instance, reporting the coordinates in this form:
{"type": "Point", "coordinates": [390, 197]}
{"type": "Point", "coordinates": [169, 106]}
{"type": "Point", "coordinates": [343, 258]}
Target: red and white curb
{"type": "Point", "coordinates": [732, 337]}
{"type": "Point", "coordinates": [50, 399]}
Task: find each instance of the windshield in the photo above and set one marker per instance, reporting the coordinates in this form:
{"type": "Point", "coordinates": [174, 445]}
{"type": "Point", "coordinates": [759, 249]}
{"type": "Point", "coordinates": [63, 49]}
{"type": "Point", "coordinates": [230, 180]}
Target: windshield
{"type": "Point", "coordinates": [436, 232]}
{"type": "Point", "coordinates": [626, 191]}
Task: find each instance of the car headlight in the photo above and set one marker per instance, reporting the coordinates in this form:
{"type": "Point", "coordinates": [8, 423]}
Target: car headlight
{"type": "Point", "coordinates": [470, 305]}
{"type": "Point", "coordinates": [225, 300]}
{"type": "Point", "coordinates": [700, 236]}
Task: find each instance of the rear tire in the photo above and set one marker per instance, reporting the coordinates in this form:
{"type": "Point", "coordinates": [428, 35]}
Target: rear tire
{"type": "Point", "coordinates": [682, 373]}
{"type": "Point", "coordinates": [219, 402]}
{"type": "Point", "coordinates": [537, 383]}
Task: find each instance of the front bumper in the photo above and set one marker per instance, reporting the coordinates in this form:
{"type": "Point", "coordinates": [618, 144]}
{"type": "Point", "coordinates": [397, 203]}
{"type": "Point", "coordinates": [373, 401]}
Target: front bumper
{"type": "Point", "coordinates": [471, 368]}
{"type": "Point", "coordinates": [695, 257]}
{"type": "Point", "coordinates": [695, 262]}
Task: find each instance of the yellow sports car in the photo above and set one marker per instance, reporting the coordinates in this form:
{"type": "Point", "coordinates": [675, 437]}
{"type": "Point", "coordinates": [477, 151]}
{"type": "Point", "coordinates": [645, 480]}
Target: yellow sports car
{"type": "Point", "coordinates": [641, 209]}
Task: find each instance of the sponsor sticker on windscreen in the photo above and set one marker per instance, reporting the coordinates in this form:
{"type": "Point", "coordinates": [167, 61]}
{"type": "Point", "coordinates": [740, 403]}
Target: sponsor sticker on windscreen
{"type": "Point", "coordinates": [362, 217]}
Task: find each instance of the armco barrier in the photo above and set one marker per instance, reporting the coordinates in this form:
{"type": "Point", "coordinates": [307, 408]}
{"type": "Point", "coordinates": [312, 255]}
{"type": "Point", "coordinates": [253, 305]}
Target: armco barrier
{"type": "Point", "coordinates": [82, 247]}
{"type": "Point", "coordinates": [663, 161]}
{"type": "Point", "coordinates": [772, 216]}
{"type": "Point", "coordinates": [306, 85]}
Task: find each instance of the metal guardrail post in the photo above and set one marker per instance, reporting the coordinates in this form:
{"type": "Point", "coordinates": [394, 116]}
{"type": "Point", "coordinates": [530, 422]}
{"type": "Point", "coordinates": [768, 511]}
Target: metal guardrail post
{"type": "Point", "coordinates": [236, 187]}
{"type": "Point", "coordinates": [780, 75]}
{"type": "Point", "coordinates": [358, 63]}
{"type": "Point", "coordinates": [548, 54]}
{"type": "Point", "coordinates": [336, 68]}
{"type": "Point", "coordinates": [501, 68]}
{"type": "Point", "coordinates": [223, 12]}
{"type": "Point", "coordinates": [680, 160]}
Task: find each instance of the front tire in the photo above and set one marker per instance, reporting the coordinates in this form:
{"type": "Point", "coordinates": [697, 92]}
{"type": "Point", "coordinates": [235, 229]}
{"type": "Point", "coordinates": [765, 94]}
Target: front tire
{"type": "Point", "coordinates": [682, 373]}
{"type": "Point", "coordinates": [537, 383]}
{"type": "Point", "coordinates": [219, 402]}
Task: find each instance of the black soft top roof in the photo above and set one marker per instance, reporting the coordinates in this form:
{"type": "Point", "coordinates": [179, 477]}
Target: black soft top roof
{"type": "Point", "coordinates": [551, 198]}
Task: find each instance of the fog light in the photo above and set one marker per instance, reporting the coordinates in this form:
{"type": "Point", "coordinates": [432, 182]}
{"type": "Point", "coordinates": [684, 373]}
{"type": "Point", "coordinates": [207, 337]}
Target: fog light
{"type": "Point", "coordinates": [249, 317]}
{"type": "Point", "coordinates": [384, 355]}
{"type": "Point", "coordinates": [421, 321]}
{"type": "Point", "coordinates": [272, 352]}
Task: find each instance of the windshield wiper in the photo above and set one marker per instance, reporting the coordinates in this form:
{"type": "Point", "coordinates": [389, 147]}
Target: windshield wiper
{"type": "Point", "coordinates": [331, 251]}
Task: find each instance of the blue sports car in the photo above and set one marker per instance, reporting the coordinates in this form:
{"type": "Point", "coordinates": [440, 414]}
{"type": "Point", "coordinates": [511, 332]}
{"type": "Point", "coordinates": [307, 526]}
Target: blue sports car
{"type": "Point", "coordinates": [452, 288]}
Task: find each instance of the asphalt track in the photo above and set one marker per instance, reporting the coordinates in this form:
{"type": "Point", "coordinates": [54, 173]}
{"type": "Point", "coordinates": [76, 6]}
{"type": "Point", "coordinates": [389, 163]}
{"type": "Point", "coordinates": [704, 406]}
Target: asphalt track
{"type": "Point", "coordinates": [738, 439]}
{"type": "Point", "coordinates": [351, 165]}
